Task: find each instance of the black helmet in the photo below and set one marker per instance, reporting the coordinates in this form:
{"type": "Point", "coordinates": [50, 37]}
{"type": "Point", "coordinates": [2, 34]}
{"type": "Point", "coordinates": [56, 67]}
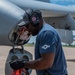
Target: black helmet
{"type": "Point", "coordinates": [31, 16]}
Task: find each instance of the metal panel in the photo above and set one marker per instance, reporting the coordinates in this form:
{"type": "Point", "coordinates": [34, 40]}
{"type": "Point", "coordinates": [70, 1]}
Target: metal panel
{"type": "Point", "coordinates": [10, 15]}
{"type": "Point", "coordinates": [65, 22]}
{"type": "Point", "coordinates": [65, 35]}
{"type": "Point", "coordinates": [48, 1]}
{"type": "Point", "coordinates": [15, 54]}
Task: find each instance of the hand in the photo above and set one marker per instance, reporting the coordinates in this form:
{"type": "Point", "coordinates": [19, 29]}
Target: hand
{"type": "Point", "coordinates": [17, 64]}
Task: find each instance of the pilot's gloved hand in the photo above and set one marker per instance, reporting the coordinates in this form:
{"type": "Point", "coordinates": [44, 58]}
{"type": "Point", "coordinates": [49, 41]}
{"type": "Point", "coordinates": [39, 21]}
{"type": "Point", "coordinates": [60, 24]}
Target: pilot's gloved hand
{"type": "Point", "coordinates": [17, 64]}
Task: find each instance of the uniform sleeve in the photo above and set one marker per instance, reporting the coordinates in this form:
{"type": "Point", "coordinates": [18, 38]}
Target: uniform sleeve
{"type": "Point", "coordinates": [47, 42]}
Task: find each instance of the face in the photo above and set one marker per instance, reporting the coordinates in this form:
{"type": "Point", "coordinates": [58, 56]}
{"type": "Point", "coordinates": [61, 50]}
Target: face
{"type": "Point", "coordinates": [33, 29]}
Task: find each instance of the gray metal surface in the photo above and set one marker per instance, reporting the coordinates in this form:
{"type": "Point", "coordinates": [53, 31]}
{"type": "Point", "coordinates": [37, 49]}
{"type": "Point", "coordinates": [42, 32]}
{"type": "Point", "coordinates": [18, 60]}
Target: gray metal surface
{"type": "Point", "coordinates": [65, 35]}
{"type": "Point", "coordinates": [48, 1]}
{"type": "Point", "coordinates": [15, 54]}
{"type": "Point", "coordinates": [65, 22]}
{"type": "Point", "coordinates": [10, 15]}
{"type": "Point", "coordinates": [73, 36]}
{"type": "Point", "coordinates": [48, 9]}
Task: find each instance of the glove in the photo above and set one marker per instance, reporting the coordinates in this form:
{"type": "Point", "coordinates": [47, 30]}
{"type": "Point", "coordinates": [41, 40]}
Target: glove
{"type": "Point", "coordinates": [17, 64]}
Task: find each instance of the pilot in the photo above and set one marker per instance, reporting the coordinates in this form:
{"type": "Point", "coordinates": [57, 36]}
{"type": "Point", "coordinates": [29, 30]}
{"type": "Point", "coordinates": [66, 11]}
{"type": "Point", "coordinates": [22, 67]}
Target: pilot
{"type": "Point", "coordinates": [49, 55]}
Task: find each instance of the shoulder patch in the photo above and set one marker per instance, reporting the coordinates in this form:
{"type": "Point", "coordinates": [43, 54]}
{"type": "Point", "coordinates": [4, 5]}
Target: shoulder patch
{"type": "Point", "coordinates": [45, 46]}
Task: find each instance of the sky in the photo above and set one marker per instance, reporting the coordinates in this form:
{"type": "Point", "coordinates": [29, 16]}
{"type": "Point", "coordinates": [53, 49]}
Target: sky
{"type": "Point", "coordinates": [63, 2]}
{"type": "Point", "coordinates": [60, 2]}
